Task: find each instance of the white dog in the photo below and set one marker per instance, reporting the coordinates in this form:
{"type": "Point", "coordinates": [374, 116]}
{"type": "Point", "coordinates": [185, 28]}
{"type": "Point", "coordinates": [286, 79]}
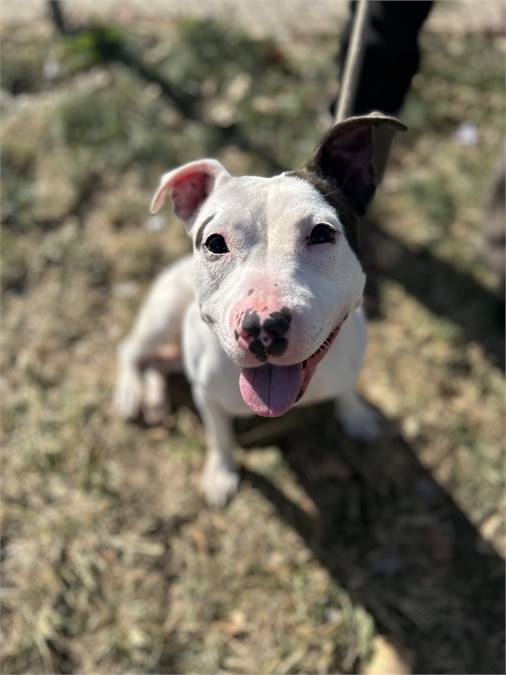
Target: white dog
{"type": "Point", "coordinates": [268, 306]}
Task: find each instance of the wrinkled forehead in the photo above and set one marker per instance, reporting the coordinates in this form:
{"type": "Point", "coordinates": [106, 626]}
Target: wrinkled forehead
{"type": "Point", "coordinates": [276, 200]}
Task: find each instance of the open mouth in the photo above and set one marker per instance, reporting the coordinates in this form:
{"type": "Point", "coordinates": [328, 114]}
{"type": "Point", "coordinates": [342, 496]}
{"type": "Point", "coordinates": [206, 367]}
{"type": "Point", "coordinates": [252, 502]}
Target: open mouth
{"type": "Point", "coordinates": [270, 390]}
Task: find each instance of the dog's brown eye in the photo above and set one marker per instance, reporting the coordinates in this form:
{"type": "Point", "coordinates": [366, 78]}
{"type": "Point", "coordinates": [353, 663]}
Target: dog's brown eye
{"type": "Point", "coordinates": [321, 234]}
{"type": "Point", "coordinates": [216, 244]}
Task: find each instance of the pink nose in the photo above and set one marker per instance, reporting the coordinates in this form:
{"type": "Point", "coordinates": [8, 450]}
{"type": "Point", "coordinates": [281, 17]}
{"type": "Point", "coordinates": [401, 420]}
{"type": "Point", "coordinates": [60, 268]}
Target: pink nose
{"type": "Point", "coordinates": [263, 333]}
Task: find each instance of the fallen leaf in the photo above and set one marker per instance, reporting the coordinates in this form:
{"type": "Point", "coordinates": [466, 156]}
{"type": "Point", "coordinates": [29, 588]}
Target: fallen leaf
{"type": "Point", "coordinates": [388, 659]}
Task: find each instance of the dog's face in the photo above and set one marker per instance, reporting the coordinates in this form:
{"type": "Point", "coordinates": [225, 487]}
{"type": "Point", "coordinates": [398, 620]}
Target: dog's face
{"type": "Point", "coordinates": [276, 261]}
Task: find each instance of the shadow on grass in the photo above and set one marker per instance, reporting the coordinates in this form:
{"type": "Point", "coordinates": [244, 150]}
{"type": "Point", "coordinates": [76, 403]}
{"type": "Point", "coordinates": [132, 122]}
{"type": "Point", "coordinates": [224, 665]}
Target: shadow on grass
{"type": "Point", "coordinates": [105, 44]}
{"type": "Point", "coordinates": [388, 534]}
{"type": "Point", "coordinates": [396, 541]}
{"type": "Point", "coordinates": [442, 288]}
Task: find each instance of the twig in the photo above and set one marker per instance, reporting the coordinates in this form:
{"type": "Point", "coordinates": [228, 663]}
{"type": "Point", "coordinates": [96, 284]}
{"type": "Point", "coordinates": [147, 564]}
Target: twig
{"type": "Point", "coordinates": [58, 17]}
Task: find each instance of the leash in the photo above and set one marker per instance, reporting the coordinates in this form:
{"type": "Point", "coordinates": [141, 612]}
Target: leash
{"type": "Point", "coordinates": [353, 62]}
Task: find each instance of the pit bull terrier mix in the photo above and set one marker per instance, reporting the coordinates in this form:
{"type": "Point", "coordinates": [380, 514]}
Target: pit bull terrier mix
{"type": "Point", "coordinates": [268, 306]}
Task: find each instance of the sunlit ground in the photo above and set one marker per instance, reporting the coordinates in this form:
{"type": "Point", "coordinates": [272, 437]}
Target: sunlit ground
{"type": "Point", "coordinates": [112, 562]}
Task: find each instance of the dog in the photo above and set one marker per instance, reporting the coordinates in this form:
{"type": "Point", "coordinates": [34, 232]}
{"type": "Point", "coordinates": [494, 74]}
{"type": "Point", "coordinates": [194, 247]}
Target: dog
{"type": "Point", "coordinates": [268, 307]}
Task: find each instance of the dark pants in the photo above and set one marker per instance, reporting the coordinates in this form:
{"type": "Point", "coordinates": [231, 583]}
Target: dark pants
{"type": "Point", "coordinates": [391, 54]}
{"type": "Point", "coordinates": [391, 58]}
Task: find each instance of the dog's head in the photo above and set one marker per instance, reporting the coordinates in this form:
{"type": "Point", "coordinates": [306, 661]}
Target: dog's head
{"type": "Point", "coordinates": [277, 268]}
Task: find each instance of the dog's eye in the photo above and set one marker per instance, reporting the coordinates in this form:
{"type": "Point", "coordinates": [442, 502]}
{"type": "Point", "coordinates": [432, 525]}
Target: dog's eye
{"type": "Point", "coordinates": [321, 234]}
{"type": "Point", "coordinates": [216, 244]}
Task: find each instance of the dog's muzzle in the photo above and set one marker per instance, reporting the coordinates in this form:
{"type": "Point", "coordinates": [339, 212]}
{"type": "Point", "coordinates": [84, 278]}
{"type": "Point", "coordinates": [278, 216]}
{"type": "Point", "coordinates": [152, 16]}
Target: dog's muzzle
{"type": "Point", "coordinates": [263, 333]}
{"type": "Point", "coordinates": [270, 390]}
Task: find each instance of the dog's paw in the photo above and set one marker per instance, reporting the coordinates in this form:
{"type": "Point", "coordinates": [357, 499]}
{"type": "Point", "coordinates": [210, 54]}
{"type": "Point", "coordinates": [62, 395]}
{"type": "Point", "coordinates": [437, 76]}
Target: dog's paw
{"type": "Point", "coordinates": [155, 414]}
{"type": "Point", "coordinates": [128, 394]}
{"type": "Point", "coordinates": [155, 403]}
{"type": "Point", "coordinates": [359, 420]}
{"type": "Point", "coordinates": [218, 483]}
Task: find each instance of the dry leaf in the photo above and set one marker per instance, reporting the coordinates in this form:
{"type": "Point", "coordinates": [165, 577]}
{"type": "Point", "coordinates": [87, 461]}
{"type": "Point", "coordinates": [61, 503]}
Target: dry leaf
{"type": "Point", "coordinates": [387, 659]}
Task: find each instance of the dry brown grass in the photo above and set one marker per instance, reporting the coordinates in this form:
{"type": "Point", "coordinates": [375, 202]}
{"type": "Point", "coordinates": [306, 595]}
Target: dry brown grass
{"type": "Point", "coordinates": [111, 562]}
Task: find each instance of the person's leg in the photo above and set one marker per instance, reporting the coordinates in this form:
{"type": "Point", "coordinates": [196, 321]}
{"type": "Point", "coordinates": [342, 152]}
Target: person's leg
{"type": "Point", "coordinates": [390, 59]}
{"type": "Point", "coordinates": [391, 55]}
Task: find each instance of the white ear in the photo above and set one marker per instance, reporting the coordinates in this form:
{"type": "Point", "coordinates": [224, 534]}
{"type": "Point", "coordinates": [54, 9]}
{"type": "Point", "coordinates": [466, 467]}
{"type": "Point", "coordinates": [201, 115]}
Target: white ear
{"type": "Point", "coordinates": [189, 186]}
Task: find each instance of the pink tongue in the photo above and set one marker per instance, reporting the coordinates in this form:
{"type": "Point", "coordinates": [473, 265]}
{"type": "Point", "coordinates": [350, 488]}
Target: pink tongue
{"type": "Point", "coordinates": [270, 390]}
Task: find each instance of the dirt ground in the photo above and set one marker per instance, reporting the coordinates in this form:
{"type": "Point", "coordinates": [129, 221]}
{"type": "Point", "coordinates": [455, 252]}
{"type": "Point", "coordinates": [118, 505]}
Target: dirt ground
{"type": "Point", "coordinates": [283, 18]}
{"type": "Point", "coordinates": [334, 556]}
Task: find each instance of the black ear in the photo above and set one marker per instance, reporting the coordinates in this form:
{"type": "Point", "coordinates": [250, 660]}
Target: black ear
{"type": "Point", "coordinates": [353, 155]}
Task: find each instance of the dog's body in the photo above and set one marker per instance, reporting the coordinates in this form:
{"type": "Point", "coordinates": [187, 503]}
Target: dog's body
{"type": "Point", "coordinates": [274, 286]}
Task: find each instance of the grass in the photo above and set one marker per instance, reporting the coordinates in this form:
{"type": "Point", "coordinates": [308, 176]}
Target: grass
{"type": "Point", "coordinates": [111, 562]}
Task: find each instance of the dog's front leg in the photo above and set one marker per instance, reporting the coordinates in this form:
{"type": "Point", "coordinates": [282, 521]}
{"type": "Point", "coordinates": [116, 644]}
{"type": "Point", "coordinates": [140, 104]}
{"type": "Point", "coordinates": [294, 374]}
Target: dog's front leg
{"type": "Point", "coordinates": [359, 420]}
{"type": "Point", "coordinates": [220, 478]}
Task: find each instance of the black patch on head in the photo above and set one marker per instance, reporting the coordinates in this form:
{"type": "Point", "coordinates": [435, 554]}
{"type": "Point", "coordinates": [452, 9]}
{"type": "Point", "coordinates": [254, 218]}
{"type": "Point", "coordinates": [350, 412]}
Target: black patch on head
{"type": "Point", "coordinates": [278, 323]}
{"type": "Point", "coordinates": [353, 153]}
{"type": "Point", "coordinates": [257, 348]}
{"type": "Point", "coordinates": [277, 347]}
{"type": "Point", "coordinates": [251, 323]}
{"type": "Point", "coordinates": [336, 198]}
{"type": "Point", "coordinates": [250, 292]}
